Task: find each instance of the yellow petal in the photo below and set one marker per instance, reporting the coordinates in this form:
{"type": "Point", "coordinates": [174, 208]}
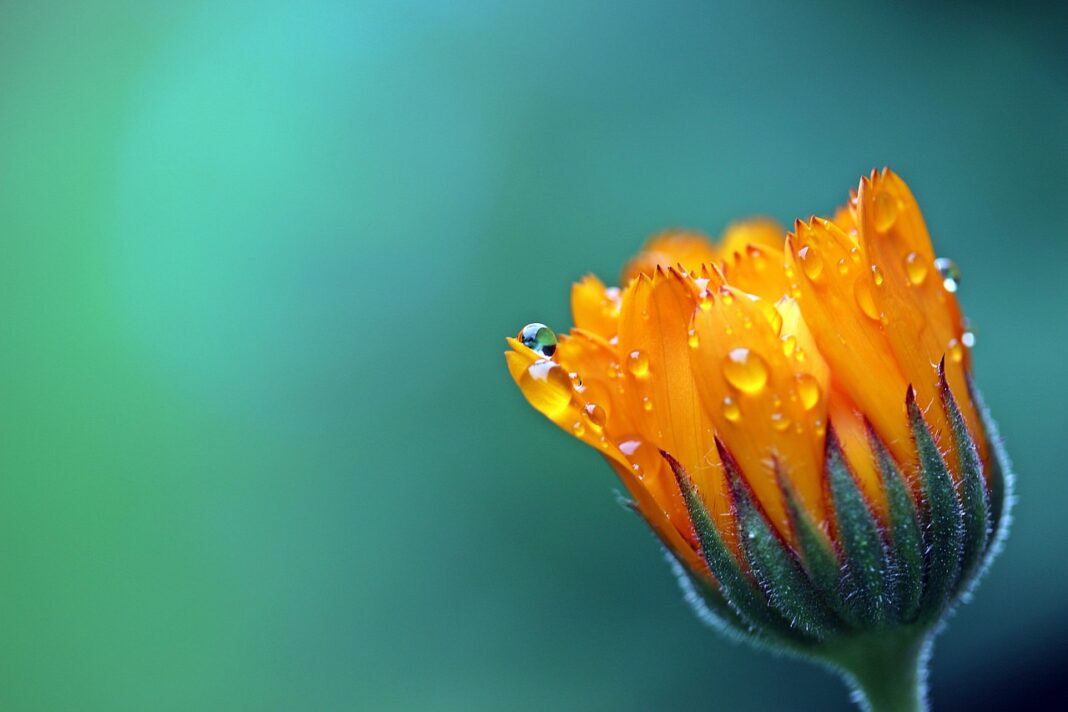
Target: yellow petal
{"type": "Point", "coordinates": [594, 307]}
{"type": "Point", "coordinates": [671, 248]}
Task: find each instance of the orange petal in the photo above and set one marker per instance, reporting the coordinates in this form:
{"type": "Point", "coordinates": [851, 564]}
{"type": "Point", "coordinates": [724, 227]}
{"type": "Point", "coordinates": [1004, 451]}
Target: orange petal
{"type": "Point", "coordinates": [754, 232]}
{"type": "Point", "coordinates": [765, 406]}
{"type": "Point", "coordinates": [655, 354]}
{"type": "Point", "coordinates": [923, 320]}
{"type": "Point", "coordinates": [594, 307]}
{"type": "Point", "coordinates": [757, 270]}
{"type": "Point", "coordinates": [852, 433]}
{"type": "Point", "coordinates": [834, 285]}
{"type": "Point", "coordinates": [671, 248]}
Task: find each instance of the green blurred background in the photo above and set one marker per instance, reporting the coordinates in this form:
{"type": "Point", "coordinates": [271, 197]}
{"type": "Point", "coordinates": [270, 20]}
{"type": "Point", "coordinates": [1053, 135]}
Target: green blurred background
{"type": "Point", "coordinates": [259, 447]}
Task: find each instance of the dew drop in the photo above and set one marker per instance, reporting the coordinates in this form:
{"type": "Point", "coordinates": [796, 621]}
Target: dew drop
{"type": "Point", "coordinates": [725, 296]}
{"type": "Point", "coordinates": [691, 339]}
{"type": "Point", "coordinates": [704, 300]}
{"type": "Point", "coordinates": [731, 411]}
{"type": "Point", "coordinates": [745, 370]}
{"type": "Point", "coordinates": [915, 268]}
{"type": "Point", "coordinates": [886, 209]}
{"type": "Point", "coordinates": [578, 428]}
{"type": "Point", "coordinates": [789, 343]}
{"type": "Point", "coordinates": [596, 415]}
{"type": "Point", "coordinates": [950, 273]}
{"type": "Point", "coordinates": [538, 338]}
{"type": "Point", "coordinates": [968, 339]}
{"type": "Point", "coordinates": [647, 403]}
{"type": "Point", "coordinates": [843, 267]}
{"type": "Point", "coordinates": [638, 364]}
{"type": "Point", "coordinates": [576, 381]}
{"type": "Point", "coordinates": [811, 262]}
{"type": "Point", "coordinates": [862, 292]}
{"type": "Point", "coordinates": [547, 387]}
{"type": "Point", "coordinates": [808, 388]}
{"type": "Point", "coordinates": [877, 275]}
{"type": "Point", "coordinates": [779, 421]}
{"type": "Point", "coordinates": [955, 351]}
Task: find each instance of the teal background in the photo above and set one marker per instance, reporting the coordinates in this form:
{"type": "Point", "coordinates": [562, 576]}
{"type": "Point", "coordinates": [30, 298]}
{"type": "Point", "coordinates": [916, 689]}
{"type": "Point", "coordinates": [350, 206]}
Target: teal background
{"type": "Point", "coordinates": [259, 449]}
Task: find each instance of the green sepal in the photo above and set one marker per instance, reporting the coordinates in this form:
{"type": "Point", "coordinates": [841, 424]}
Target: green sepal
{"type": "Point", "coordinates": [774, 565]}
{"type": "Point", "coordinates": [975, 504]}
{"type": "Point", "coordinates": [745, 598]}
{"type": "Point", "coordinates": [943, 520]}
{"type": "Point", "coordinates": [864, 551]}
{"type": "Point", "coordinates": [1001, 477]}
{"type": "Point", "coordinates": [906, 549]}
{"type": "Point", "coordinates": [818, 556]}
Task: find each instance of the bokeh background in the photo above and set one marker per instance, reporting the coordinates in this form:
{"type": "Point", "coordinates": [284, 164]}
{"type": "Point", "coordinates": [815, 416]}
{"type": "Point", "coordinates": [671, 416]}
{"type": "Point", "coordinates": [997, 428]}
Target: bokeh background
{"type": "Point", "coordinates": [257, 261]}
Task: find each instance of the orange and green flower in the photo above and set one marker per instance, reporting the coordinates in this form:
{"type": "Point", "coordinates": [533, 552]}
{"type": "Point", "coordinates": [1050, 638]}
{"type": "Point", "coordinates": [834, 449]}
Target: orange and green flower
{"type": "Point", "coordinates": [793, 413]}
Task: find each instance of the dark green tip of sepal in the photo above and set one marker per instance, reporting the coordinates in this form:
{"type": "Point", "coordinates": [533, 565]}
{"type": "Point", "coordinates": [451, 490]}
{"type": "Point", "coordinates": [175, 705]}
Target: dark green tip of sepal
{"type": "Point", "coordinates": [906, 549]}
{"type": "Point", "coordinates": [774, 565]}
{"type": "Point", "coordinates": [943, 519]}
{"type": "Point", "coordinates": [975, 503]}
{"type": "Point", "coordinates": [818, 556]}
{"type": "Point", "coordinates": [744, 597]}
{"type": "Point", "coordinates": [864, 551]}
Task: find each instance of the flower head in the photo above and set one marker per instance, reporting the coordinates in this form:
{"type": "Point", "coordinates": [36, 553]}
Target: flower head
{"type": "Point", "coordinates": [793, 414]}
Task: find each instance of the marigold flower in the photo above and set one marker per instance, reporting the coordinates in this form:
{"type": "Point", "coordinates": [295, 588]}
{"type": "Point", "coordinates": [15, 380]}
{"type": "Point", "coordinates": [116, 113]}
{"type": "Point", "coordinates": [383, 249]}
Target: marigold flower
{"type": "Point", "coordinates": [794, 416]}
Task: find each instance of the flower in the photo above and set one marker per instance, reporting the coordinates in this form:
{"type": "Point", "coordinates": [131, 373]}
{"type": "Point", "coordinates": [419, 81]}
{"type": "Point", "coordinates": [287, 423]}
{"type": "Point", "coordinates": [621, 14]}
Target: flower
{"type": "Point", "coordinates": [795, 418]}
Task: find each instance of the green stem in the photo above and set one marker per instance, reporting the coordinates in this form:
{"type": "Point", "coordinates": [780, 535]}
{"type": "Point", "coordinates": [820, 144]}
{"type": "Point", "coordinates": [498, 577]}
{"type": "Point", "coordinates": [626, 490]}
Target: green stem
{"type": "Point", "coordinates": [887, 670]}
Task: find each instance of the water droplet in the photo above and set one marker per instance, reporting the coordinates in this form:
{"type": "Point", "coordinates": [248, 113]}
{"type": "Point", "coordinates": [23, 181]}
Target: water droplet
{"type": "Point", "coordinates": [647, 403]}
{"type": "Point", "coordinates": [596, 416]}
{"type": "Point", "coordinates": [968, 339]}
{"type": "Point", "coordinates": [643, 458]}
{"type": "Point", "coordinates": [886, 209]}
{"type": "Point", "coordinates": [808, 388]}
{"type": "Point", "coordinates": [779, 421]}
{"type": "Point", "coordinates": [725, 296]}
{"type": "Point", "coordinates": [915, 268]}
{"type": "Point", "coordinates": [811, 262]}
{"type": "Point", "coordinates": [854, 255]}
{"type": "Point", "coordinates": [547, 387]}
{"type": "Point", "coordinates": [638, 363]}
{"type": "Point", "coordinates": [576, 381]}
{"type": "Point", "coordinates": [745, 370]}
{"type": "Point", "coordinates": [877, 275]}
{"type": "Point", "coordinates": [950, 274]}
{"type": "Point", "coordinates": [578, 429]}
{"type": "Point", "coordinates": [843, 267]}
{"type": "Point", "coordinates": [862, 292]}
{"type": "Point", "coordinates": [955, 351]}
{"type": "Point", "coordinates": [691, 339]}
{"type": "Point", "coordinates": [789, 343]}
{"type": "Point", "coordinates": [821, 429]}
{"type": "Point", "coordinates": [704, 300]}
{"type": "Point", "coordinates": [731, 411]}
{"type": "Point", "coordinates": [538, 338]}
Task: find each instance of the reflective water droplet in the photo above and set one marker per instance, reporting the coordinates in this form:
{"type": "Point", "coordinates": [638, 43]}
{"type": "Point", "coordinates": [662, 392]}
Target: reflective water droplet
{"type": "Point", "coordinates": [811, 262]}
{"type": "Point", "coordinates": [950, 273]}
{"type": "Point", "coordinates": [886, 209]}
{"type": "Point", "coordinates": [596, 416]}
{"type": "Point", "coordinates": [547, 387]}
{"type": "Point", "coordinates": [808, 388]}
{"type": "Point", "coordinates": [843, 267]}
{"type": "Point", "coordinates": [704, 300]}
{"type": "Point", "coordinates": [638, 364]}
{"type": "Point", "coordinates": [821, 429]}
{"type": "Point", "coordinates": [854, 254]}
{"type": "Point", "coordinates": [799, 355]}
{"type": "Point", "coordinates": [731, 411]}
{"type": "Point", "coordinates": [789, 343]}
{"type": "Point", "coordinates": [576, 381]}
{"type": "Point", "coordinates": [647, 403]}
{"type": "Point", "coordinates": [877, 275]}
{"type": "Point", "coordinates": [915, 268]}
{"type": "Point", "coordinates": [955, 351]}
{"type": "Point", "coordinates": [745, 370]}
{"type": "Point", "coordinates": [968, 339]}
{"type": "Point", "coordinates": [779, 421]}
{"type": "Point", "coordinates": [578, 429]}
{"type": "Point", "coordinates": [538, 338]}
{"type": "Point", "coordinates": [643, 458]}
{"type": "Point", "coordinates": [691, 339]}
{"type": "Point", "coordinates": [725, 296]}
{"type": "Point", "coordinates": [862, 292]}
